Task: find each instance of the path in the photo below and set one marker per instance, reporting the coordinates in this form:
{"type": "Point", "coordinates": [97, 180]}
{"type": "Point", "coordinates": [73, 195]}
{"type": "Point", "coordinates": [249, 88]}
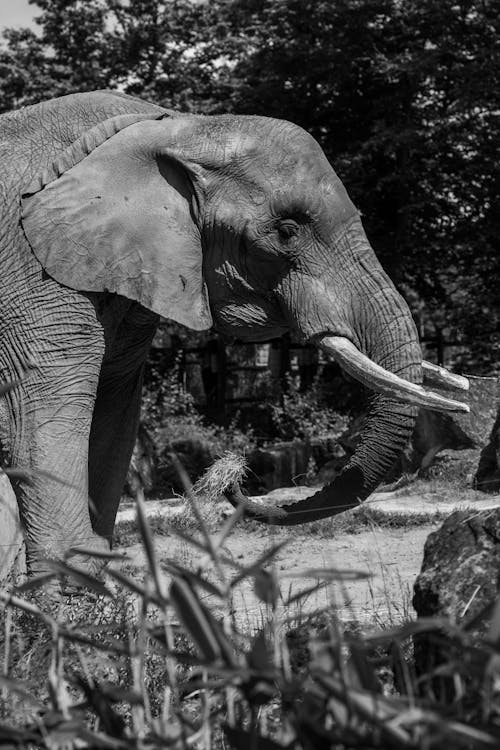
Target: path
{"type": "Point", "coordinates": [392, 557]}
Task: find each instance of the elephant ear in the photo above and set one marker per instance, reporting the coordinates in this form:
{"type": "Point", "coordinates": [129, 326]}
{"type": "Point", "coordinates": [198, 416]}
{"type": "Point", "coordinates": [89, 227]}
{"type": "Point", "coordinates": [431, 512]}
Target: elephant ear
{"type": "Point", "coordinates": [115, 212]}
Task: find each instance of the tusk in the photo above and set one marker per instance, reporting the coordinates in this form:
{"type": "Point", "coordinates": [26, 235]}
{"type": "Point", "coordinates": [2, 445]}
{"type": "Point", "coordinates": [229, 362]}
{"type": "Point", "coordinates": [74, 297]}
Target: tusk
{"type": "Point", "coordinates": [440, 376]}
{"type": "Point", "coordinates": [361, 367]}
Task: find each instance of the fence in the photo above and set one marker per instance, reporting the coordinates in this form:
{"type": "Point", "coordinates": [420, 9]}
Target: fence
{"type": "Point", "coordinates": [213, 376]}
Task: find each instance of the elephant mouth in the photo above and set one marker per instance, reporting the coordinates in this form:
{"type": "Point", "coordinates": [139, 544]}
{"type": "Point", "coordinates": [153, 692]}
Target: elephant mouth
{"type": "Point", "coordinates": [375, 377]}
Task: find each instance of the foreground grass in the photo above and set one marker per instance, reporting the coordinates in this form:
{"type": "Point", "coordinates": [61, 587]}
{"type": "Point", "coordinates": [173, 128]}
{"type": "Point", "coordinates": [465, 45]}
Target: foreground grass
{"type": "Point", "coordinates": [135, 663]}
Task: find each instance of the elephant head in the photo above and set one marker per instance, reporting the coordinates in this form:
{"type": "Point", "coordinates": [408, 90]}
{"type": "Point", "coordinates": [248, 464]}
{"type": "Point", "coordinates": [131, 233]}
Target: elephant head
{"type": "Point", "coordinates": [240, 222]}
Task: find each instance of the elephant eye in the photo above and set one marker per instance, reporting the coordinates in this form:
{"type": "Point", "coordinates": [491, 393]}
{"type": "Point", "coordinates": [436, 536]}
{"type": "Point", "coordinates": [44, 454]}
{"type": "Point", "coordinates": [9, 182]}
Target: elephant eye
{"type": "Point", "coordinates": [288, 228]}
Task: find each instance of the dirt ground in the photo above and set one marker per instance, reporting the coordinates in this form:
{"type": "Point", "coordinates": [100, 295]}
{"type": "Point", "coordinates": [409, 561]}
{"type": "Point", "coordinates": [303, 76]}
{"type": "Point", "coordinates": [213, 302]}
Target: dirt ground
{"type": "Point", "coordinates": [391, 557]}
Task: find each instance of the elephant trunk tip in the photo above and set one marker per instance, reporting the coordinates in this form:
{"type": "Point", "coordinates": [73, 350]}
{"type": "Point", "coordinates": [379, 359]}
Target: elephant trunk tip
{"type": "Point", "coordinates": [346, 492]}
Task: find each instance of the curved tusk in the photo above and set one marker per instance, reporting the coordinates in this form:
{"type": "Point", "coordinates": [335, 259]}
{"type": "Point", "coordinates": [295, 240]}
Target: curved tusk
{"type": "Point", "coordinates": [441, 376]}
{"type": "Point", "coordinates": [361, 367]}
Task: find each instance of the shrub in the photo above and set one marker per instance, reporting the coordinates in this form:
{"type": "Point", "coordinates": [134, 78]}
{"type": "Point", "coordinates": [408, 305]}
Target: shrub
{"type": "Point", "coordinates": [170, 415]}
{"type": "Point", "coordinates": [305, 415]}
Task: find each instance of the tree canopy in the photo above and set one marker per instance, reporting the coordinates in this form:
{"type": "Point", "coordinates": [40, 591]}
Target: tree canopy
{"type": "Point", "coordinates": [403, 95]}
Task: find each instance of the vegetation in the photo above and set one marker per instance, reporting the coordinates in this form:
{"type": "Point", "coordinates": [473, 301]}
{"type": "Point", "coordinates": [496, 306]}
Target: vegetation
{"type": "Point", "coordinates": [402, 95]}
{"type": "Point", "coordinates": [404, 98]}
{"type": "Point", "coordinates": [305, 415]}
{"type": "Point", "coordinates": [144, 663]}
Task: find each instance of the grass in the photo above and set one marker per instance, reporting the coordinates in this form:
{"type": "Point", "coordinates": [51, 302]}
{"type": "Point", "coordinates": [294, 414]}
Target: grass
{"type": "Point", "coordinates": [351, 522]}
{"type": "Point", "coordinates": [162, 660]}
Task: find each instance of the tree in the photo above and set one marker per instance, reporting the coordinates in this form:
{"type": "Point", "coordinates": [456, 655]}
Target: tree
{"type": "Point", "coordinates": [403, 95]}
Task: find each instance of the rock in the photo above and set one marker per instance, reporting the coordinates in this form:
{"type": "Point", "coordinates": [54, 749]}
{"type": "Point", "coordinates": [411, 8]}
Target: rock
{"type": "Point", "coordinates": [460, 568]}
{"type": "Point", "coordinates": [143, 465]}
{"type": "Point", "coordinates": [487, 478]}
{"type": "Point", "coordinates": [278, 465]}
{"type": "Point", "coordinates": [456, 466]}
{"type": "Point", "coordinates": [435, 432]}
{"type": "Point", "coordinates": [11, 536]}
{"type": "Point", "coordinates": [459, 578]}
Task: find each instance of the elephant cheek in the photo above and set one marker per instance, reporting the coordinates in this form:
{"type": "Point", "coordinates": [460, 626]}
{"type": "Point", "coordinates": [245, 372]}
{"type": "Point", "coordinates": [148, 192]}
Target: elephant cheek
{"type": "Point", "coordinates": [248, 320]}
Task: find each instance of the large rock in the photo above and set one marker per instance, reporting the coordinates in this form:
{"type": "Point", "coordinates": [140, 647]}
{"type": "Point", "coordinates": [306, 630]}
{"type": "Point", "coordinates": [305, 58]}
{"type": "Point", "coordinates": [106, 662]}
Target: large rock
{"type": "Point", "coordinates": [11, 536]}
{"type": "Point", "coordinates": [435, 432]}
{"type": "Point", "coordinates": [459, 578]}
{"type": "Point", "coordinates": [487, 478]}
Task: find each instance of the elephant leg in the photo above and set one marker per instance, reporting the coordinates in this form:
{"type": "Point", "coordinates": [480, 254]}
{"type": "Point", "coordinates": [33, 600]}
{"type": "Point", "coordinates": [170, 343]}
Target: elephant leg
{"type": "Point", "coordinates": [116, 416]}
{"type": "Point", "coordinates": [50, 416]}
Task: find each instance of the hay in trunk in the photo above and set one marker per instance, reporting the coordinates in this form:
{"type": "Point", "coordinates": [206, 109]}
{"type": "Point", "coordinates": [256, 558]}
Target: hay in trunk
{"type": "Point", "coordinates": [229, 468]}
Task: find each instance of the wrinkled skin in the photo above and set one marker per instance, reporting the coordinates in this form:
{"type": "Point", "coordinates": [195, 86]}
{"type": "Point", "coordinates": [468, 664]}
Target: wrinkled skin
{"type": "Point", "coordinates": [115, 212]}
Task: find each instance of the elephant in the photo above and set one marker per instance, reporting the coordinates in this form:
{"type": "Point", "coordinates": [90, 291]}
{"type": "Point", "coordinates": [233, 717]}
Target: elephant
{"type": "Point", "coordinates": [116, 212]}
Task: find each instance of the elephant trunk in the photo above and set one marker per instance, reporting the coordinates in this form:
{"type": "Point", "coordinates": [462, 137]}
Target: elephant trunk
{"type": "Point", "coordinates": [387, 358]}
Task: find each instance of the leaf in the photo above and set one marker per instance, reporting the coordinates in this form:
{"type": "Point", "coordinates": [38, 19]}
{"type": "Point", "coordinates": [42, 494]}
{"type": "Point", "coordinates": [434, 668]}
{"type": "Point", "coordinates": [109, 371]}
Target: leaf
{"type": "Point", "coordinates": [100, 740]}
{"type": "Point", "coordinates": [21, 737]}
{"type": "Point", "coordinates": [206, 633]}
{"type": "Point", "coordinates": [147, 540]}
{"type": "Point", "coordinates": [127, 582]}
{"type": "Point", "coordinates": [254, 567]}
{"type": "Point", "coordinates": [266, 587]}
{"type": "Point", "coordinates": [34, 583]}
{"type": "Point", "coordinates": [110, 644]}
{"type": "Point", "coordinates": [422, 625]}
{"type": "Point", "coordinates": [260, 656]}
{"type": "Point", "coordinates": [19, 688]}
{"type": "Point", "coordinates": [101, 555]}
{"type": "Point", "coordinates": [229, 525]}
{"type": "Point", "coordinates": [82, 578]}
{"type": "Point", "coordinates": [22, 474]}
{"type": "Point", "coordinates": [113, 723]}
{"type": "Point", "coordinates": [304, 593]}
{"type": "Point", "coordinates": [177, 570]}
{"type": "Point", "coordinates": [241, 739]}
{"type": "Point", "coordinates": [329, 574]}
{"type": "Point", "coordinates": [189, 539]}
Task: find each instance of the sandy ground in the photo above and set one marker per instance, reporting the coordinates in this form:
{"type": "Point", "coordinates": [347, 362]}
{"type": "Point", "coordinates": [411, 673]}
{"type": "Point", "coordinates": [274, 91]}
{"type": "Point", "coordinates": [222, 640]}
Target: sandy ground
{"type": "Point", "coordinates": [391, 559]}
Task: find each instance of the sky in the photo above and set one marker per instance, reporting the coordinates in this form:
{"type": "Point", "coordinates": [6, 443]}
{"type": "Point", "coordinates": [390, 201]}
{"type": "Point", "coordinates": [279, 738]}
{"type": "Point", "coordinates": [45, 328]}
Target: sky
{"type": "Point", "coordinates": [17, 13]}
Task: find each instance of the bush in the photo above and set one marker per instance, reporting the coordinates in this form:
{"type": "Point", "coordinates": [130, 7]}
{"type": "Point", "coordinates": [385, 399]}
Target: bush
{"type": "Point", "coordinates": [305, 415]}
{"type": "Point", "coordinates": [170, 415]}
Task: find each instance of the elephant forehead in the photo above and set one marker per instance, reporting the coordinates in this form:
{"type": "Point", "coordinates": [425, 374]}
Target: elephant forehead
{"type": "Point", "coordinates": [322, 198]}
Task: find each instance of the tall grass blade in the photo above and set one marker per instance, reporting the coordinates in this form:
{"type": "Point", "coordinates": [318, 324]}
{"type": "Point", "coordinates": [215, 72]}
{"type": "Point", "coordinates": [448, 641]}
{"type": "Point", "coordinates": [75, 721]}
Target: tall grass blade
{"type": "Point", "coordinates": [147, 540]}
{"type": "Point", "coordinates": [188, 489]}
{"type": "Point", "coordinates": [241, 739]}
{"type": "Point", "coordinates": [98, 554]}
{"type": "Point", "coordinates": [80, 577]}
{"type": "Point", "coordinates": [250, 570]}
{"type": "Point", "coordinates": [206, 633]}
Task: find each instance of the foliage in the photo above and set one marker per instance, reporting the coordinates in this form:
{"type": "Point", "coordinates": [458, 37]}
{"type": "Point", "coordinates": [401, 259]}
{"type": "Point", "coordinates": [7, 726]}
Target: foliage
{"type": "Point", "coordinates": [148, 662]}
{"type": "Point", "coordinates": [305, 415]}
{"type": "Point", "coordinates": [172, 420]}
{"type": "Point", "coordinates": [403, 97]}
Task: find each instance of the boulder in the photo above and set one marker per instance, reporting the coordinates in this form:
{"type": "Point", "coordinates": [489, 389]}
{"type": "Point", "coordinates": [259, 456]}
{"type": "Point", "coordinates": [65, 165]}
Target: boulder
{"type": "Point", "coordinates": [487, 478]}
{"type": "Point", "coordinates": [459, 580]}
{"type": "Point", "coordinates": [461, 565]}
{"type": "Point", "coordinates": [435, 431]}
